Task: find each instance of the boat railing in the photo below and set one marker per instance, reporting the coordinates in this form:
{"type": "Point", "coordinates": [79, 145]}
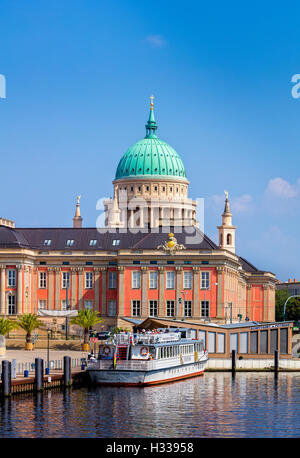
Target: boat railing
{"type": "Point", "coordinates": [145, 339]}
{"type": "Point", "coordinates": [125, 365]}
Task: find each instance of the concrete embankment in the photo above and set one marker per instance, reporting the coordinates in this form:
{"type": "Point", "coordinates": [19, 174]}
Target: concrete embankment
{"type": "Point", "coordinates": [285, 365]}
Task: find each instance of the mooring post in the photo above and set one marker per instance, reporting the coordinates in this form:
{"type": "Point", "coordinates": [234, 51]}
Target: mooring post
{"type": "Point", "coordinates": [67, 371]}
{"type": "Point", "coordinates": [276, 361]}
{"type": "Point", "coordinates": [233, 360]}
{"type": "Point", "coordinates": [6, 378]}
{"type": "Point", "coordinates": [39, 374]}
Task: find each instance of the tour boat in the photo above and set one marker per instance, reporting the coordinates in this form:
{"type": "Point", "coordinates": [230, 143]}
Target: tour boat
{"type": "Point", "coordinates": [147, 359]}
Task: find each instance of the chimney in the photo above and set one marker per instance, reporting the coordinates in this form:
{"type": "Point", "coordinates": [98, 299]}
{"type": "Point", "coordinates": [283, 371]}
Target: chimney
{"type": "Point", "coordinates": [290, 280]}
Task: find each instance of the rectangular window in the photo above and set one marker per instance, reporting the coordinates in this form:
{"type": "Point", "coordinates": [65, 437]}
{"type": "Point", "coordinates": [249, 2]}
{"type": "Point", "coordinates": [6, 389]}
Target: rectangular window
{"type": "Point", "coordinates": [211, 342]}
{"type": "Point", "coordinates": [42, 305]}
{"type": "Point", "coordinates": [47, 242]}
{"type": "Point", "coordinates": [112, 280]}
{"type": "Point", "coordinates": [136, 308]}
{"type": "Point", "coordinates": [243, 342]}
{"type": "Point", "coordinates": [152, 308]}
{"type": "Point", "coordinates": [170, 308]}
{"type": "Point", "coordinates": [93, 242]}
{"type": "Point", "coordinates": [187, 280]}
{"type": "Point", "coordinates": [43, 280]}
{"type": "Point", "coordinates": [116, 242]}
{"type": "Point", "coordinates": [187, 308]}
{"type": "Point", "coordinates": [70, 242]}
{"type": "Point", "coordinates": [204, 280]}
{"type": "Point", "coordinates": [11, 305]}
{"type": "Point", "coordinates": [88, 305]}
{"type": "Point", "coordinates": [284, 340]}
{"type": "Point", "coordinates": [153, 279]}
{"type": "Point", "coordinates": [64, 304]}
{"type": "Point", "coordinates": [65, 279]}
{"type": "Point", "coordinates": [254, 342]}
{"type": "Point", "coordinates": [263, 341]}
{"type": "Point", "coordinates": [233, 342]}
{"type": "Point", "coordinates": [88, 280]}
{"type": "Point", "coordinates": [221, 343]}
{"type": "Point", "coordinates": [205, 308]}
{"type": "Point", "coordinates": [11, 278]}
{"type": "Point", "coordinates": [112, 308]}
{"type": "Point", "coordinates": [274, 340]}
{"type": "Point", "coordinates": [136, 279]}
{"type": "Point", "coordinates": [170, 279]}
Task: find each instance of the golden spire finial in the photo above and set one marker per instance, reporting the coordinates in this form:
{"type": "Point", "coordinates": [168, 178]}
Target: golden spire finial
{"type": "Point", "coordinates": [151, 104]}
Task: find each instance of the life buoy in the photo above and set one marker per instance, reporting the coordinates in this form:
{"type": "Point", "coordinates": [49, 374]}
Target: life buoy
{"type": "Point", "coordinates": [144, 351]}
{"type": "Point", "coordinates": [106, 351]}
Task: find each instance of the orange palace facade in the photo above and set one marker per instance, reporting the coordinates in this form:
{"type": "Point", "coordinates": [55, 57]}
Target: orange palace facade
{"type": "Point", "coordinates": [149, 259]}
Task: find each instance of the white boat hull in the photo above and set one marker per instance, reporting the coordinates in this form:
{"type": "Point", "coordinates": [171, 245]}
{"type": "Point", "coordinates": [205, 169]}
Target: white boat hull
{"type": "Point", "coordinates": [123, 377]}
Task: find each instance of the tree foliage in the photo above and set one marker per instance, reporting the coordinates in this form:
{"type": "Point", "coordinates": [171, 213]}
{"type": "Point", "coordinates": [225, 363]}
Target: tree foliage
{"type": "Point", "coordinates": [86, 319]}
{"type": "Point", "coordinates": [7, 325]}
{"type": "Point", "coordinates": [292, 312]}
{"type": "Point", "coordinates": [29, 322]}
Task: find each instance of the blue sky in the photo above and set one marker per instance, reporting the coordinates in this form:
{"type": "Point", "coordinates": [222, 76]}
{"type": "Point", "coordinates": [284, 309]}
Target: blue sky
{"type": "Point", "coordinates": [78, 79]}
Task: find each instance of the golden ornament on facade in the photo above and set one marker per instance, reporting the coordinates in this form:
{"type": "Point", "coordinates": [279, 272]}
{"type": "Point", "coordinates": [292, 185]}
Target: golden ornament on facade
{"type": "Point", "coordinates": [171, 246]}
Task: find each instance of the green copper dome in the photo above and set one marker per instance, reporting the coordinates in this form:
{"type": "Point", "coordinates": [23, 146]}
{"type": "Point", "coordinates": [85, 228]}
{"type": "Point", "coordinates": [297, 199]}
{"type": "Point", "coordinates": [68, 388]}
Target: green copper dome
{"type": "Point", "coordinates": [151, 157]}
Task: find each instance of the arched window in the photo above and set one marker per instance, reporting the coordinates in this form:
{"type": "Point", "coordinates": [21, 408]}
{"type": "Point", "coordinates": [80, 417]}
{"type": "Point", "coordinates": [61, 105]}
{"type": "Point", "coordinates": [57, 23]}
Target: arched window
{"type": "Point", "coordinates": [228, 239]}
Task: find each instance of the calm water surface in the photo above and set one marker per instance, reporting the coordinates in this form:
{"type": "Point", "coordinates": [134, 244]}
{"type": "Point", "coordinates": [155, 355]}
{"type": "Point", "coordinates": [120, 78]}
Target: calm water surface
{"type": "Point", "coordinates": [215, 405]}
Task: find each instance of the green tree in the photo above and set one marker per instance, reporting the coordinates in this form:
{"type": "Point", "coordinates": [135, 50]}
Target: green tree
{"type": "Point", "coordinates": [292, 311]}
{"type": "Point", "coordinates": [29, 322]}
{"type": "Point", "coordinates": [86, 319]}
{"type": "Point", "coordinates": [7, 325]}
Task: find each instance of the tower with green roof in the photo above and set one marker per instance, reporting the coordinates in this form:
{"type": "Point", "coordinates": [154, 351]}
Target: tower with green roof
{"type": "Point", "coordinates": [150, 174]}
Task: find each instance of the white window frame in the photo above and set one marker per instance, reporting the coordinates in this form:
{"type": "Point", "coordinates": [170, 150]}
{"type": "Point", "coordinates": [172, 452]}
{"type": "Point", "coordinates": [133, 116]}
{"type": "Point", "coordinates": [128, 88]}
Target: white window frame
{"type": "Point", "coordinates": [136, 279]}
{"type": "Point", "coordinates": [11, 304]}
{"type": "Point", "coordinates": [170, 279]}
{"type": "Point", "coordinates": [112, 279]}
{"type": "Point", "coordinates": [42, 280]}
{"type": "Point", "coordinates": [153, 307]}
{"type": "Point", "coordinates": [187, 279]}
{"type": "Point", "coordinates": [136, 307]}
{"type": "Point", "coordinates": [63, 304]}
{"type": "Point", "coordinates": [205, 279]}
{"type": "Point", "coordinates": [188, 308]}
{"type": "Point", "coordinates": [170, 308]}
{"type": "Point", "coordinates": [205, 307]}
{"type": "Point", "coordinates": [89, 280]}
{"type": "Point", "coordinates": [90, 304]}
{"type": "Point", "coordinates": [112, 307]}
{"type": "Point", "coordinates": [153, 279]}
{"type": "Point", "coordinates": [65, 279]}
{"type": "Point", "coordinates": [42, 304]}
{"type": "Point", "coordinates": [11, 278]}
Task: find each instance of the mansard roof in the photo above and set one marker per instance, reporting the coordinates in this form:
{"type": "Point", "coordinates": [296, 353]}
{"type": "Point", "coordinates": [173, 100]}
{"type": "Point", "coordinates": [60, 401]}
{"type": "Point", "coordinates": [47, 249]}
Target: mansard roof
{"type": "Point", "coordinates": [108, 240]}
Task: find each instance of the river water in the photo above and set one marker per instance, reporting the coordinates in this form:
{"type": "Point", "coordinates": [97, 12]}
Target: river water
{"type": "Point", "coordinates": [216, 405]}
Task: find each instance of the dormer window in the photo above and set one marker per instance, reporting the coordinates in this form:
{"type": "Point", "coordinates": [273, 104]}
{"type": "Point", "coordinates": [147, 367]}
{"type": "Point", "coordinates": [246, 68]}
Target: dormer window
{"type": "Point", "coordinates": [47, 242]}
{"type": "Point", "coordinates": [70, 242]}
{"type": "Point", "coordinates": [116, 242]}
{"type": "Point", "coordinates": [93, 242]}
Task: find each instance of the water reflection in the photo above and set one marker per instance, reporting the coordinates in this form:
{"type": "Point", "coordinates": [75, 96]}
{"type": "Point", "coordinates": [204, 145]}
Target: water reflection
{"type": "Point", "coordinates": [215, 405]}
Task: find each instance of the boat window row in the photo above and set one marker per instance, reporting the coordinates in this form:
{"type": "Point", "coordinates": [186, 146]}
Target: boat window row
{"type": "Point", "coordinates": [176, 350]}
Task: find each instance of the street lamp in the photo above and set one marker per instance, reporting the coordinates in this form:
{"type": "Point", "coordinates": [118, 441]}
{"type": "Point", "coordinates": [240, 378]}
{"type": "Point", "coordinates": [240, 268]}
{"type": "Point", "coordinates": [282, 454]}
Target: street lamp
{"type": "Point", "coordinates": [67, 307]}
{"type": "Point", "coordinates": [48, 352]}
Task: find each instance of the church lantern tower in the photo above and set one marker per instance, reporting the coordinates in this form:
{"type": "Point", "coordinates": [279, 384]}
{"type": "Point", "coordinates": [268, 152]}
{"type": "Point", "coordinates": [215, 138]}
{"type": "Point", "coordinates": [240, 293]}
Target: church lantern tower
{"type": "Point", "coordinates": [227, 230]}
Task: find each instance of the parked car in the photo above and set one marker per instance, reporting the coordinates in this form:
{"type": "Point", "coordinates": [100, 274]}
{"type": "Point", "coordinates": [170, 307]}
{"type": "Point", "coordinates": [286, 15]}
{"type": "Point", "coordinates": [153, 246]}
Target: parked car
{"type": "Point", "coordinates": [104, 335]}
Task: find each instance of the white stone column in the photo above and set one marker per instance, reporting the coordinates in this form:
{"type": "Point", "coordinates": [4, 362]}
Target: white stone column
{"type": "Point", "coordinates": [19, 290]}
{"type": "Point", "coordinates": [2, 291]}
